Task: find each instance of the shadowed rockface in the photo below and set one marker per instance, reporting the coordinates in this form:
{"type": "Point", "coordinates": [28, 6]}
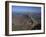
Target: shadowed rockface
{"type": "Point", "coordinates": [26, 22]}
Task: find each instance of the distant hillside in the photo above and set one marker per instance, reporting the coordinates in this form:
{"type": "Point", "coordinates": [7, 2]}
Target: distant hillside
{"type": "Point", "coordinates": [26, 21]}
